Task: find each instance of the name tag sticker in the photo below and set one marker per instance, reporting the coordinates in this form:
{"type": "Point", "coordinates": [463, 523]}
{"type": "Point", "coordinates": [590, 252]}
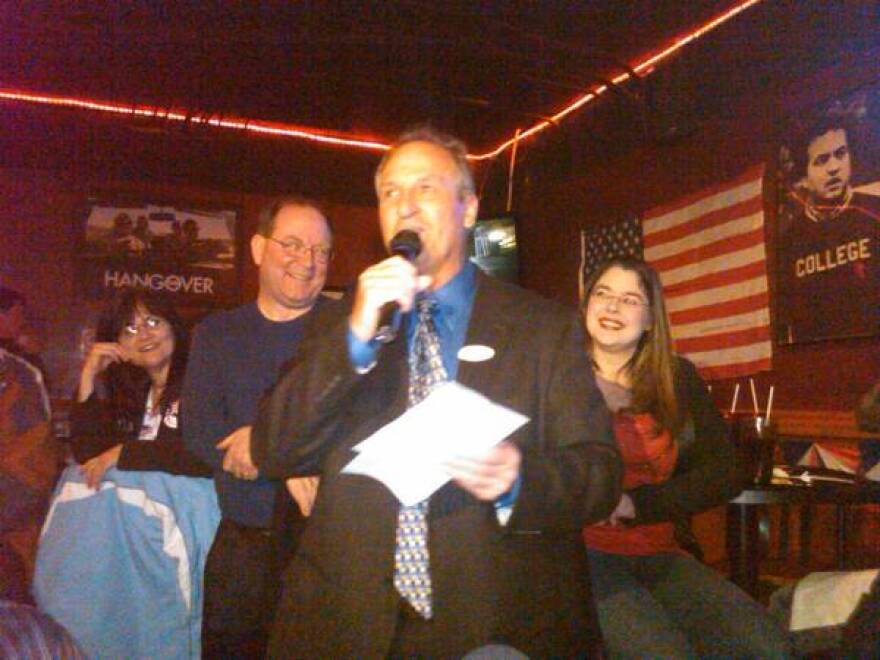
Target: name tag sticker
{"type": "Point", "coordinates": [170, 419]}
{"type": "Point", "coordinates": [476, 353]}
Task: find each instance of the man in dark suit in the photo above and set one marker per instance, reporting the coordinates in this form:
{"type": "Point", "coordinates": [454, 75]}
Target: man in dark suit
{"type": "Point", "coordinates": [506, 562]}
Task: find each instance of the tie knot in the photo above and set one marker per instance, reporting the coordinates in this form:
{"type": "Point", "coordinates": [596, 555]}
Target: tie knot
{"type": "Point", "coordinates": [426, 307]}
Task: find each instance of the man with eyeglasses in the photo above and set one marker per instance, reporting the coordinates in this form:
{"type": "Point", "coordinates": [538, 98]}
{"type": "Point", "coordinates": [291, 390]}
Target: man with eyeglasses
{"type": "Point", "coordinates": [236, 357]}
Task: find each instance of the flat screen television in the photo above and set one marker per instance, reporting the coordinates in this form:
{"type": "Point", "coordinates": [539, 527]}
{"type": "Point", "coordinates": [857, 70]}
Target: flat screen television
{"type": "Point", "coordinates": [493, 247]}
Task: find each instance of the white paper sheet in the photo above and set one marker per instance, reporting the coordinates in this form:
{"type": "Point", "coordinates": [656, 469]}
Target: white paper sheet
{"type": "Point", "coordinates": [828, 598]}
{"type": "Point", "coordinates": [407, 455]}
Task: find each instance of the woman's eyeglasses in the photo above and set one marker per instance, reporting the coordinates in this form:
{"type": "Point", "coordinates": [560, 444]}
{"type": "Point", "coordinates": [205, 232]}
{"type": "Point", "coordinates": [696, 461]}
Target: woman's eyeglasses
{"type": "Point", "coordinates": [149, 323]}
{"type": "Point", "coordinates": [605, 297]}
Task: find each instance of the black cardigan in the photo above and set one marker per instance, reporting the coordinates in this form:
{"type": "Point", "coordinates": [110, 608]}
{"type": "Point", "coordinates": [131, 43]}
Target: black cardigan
{"type": "Point", "coordinates": [96, 427]}
{"type": "Point", "coordinates": [706, 474]}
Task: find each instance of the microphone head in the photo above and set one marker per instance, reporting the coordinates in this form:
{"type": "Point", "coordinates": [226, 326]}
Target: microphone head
{"type": "Point", "coordinates": [407, 244]}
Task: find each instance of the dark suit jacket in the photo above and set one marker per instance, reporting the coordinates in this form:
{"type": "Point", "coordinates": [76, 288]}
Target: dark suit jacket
{"type": "Point", "coordinates": [525, 584]}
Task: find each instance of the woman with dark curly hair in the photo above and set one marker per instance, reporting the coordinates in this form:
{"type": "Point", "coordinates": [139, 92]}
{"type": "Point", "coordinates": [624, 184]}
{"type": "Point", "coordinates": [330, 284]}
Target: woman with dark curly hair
{"type": "Point", "coordinates": [140, 352]}
{"type": "Point", "coordinates": [653, 598]}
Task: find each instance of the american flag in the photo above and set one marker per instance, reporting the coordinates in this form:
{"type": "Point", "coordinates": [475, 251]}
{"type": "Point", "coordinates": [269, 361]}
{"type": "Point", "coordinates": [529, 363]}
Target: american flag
{"type": "Point", "coordinates": [599, 244]}
{"type": "Point", "coordinates": [709, 251]}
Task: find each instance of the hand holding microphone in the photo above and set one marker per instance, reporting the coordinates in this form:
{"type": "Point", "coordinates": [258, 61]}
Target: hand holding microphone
{"type": "Point", "coordinates": [386, 288]}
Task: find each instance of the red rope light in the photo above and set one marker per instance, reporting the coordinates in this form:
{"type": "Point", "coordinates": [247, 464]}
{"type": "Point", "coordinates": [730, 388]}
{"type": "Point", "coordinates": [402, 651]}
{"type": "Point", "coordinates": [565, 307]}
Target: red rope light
{"type": "Point", "coordinates": [644, 66]}
{"type": "Point", "coordinates": [232, 123]}
{"type": "Point", "coordinates": [349, 140]}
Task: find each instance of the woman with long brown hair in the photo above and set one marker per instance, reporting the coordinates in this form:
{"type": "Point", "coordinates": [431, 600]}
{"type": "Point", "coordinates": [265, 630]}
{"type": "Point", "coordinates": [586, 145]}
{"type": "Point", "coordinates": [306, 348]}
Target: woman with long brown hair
{"type": "Point", "coordinates": [653, 598]}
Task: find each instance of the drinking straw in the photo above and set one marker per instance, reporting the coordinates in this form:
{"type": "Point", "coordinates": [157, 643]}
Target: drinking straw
{"type": "Point", "coordinates": [754, 396]}
{"type": "Point", "coordinates": [735, 397]}
{"type": "Point", "coordinates": [769, 403]}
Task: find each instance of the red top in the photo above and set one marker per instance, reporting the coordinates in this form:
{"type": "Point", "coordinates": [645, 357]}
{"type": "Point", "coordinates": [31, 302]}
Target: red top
{"type": "Point", "coordinates": [649, 456]}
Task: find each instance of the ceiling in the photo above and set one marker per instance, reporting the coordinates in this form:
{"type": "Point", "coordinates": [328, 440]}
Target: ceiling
{"type": "Point", "coordinates": [479, 69]}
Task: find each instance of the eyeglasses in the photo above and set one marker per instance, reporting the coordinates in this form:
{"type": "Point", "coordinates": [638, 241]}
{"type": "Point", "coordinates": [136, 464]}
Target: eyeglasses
{"type": "Point", "coordinates": [629, 300]}
{"type": "Point", "coordinates": [150, 323]}
{"type": "Point", "coordinates": [295, 247]}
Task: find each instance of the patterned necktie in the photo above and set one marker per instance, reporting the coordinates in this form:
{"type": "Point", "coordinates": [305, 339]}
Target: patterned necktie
{"type": "Point", "coordinates": [411, 575]}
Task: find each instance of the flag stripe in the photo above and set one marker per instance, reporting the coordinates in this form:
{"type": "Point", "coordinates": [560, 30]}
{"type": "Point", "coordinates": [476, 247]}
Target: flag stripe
{"type": "Point", "coordinates": [705, 235]}
{"type": "Point", "coordinates": [714, 342]}
{"type": "Point", "coordinates": [716, 296]}
{"type": "Point", "coordinates": [720, 310]}
{"type": "Point", "coordinates": [751, 177]}
{"type": "Point", "coordinates": [734, 369]}
{"type": "Point", "coordinates": [701, 252]}
{"type": "Point", "coordinates": [757, 318]}
{"type": "Point", "coordinates": [720, 357]}
{"type": "Point", "coordinates": [718, 217]}
{"type": "Point", "coordinates": [721, 264]}
{"type": "Point", "coordinates": [709, 251]}
{"type": "Point", "coordinates": [716, 278]}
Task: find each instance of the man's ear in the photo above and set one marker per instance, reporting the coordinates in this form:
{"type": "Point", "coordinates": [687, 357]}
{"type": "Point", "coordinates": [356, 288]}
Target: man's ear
{"type": "Point", "coordinates": [258, 247]}
{"type": "Point", "coordinates": [471, 206]}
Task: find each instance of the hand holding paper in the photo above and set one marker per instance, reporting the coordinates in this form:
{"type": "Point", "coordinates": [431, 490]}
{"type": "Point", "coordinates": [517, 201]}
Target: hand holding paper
{"type": "Point", "coordinates": [413, 454]}
{"type": "Point", "coordinates": [490, 476]}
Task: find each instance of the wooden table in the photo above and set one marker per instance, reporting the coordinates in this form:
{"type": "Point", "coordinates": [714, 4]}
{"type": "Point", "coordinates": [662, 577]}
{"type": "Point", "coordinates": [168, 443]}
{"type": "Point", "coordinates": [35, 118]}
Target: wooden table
{"type": "Point", "coordinates": [743, 547]}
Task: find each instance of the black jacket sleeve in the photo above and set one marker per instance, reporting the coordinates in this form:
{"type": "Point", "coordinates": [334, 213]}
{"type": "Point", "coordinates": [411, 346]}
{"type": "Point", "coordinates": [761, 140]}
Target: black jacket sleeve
{"type": "Point", "coordinates": [165, 454]}
{"type": "Point", "coordinates": [706, 474]}
{"type": "Point", "coordinates": [299, 420]}
{"type": "Point", "coordinates": [95, 429]}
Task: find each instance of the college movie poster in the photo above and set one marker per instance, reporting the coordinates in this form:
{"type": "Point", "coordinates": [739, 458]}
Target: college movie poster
{"type": "Point", "coordinates": [188, 254]}
{"type": "Point", "coordinates": [828, 221]}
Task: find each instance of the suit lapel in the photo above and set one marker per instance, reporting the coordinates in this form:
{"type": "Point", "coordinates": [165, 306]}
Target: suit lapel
{"type": "Point", "coordinates": [396, 361]}
{"type": "Point", "coordinates": [490, 325]}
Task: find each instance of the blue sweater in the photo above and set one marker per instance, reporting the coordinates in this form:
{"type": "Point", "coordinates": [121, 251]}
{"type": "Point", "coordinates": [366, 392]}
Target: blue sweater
{"type": "Point", "coordinates": [236, 357]}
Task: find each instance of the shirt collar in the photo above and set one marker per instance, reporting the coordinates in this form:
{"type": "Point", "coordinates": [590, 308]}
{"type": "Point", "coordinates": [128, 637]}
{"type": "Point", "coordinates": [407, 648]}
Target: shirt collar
{"type": "Point", "coordinates": [454, 297]}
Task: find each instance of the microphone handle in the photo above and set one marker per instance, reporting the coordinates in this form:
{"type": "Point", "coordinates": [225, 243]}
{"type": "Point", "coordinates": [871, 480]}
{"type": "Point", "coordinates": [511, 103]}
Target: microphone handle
{"type": "Point", "coordinates": [389, 323]}
{"type": "Point", "coordinates": [407, 244]}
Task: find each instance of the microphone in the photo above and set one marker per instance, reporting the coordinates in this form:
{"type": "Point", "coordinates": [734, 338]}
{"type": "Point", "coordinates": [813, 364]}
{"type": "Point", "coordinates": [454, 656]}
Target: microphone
{"type": "Point", "coordinates": [407, 244]}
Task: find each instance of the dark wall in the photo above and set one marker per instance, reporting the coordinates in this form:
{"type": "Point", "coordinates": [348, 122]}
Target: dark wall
{"type": "Point", "coordinates": [106, 147]}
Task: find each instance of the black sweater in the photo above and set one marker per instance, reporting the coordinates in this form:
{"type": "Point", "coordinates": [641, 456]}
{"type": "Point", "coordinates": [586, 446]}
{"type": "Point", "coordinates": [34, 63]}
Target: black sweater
{"type": "Point", "coordinates": [96, 427]}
